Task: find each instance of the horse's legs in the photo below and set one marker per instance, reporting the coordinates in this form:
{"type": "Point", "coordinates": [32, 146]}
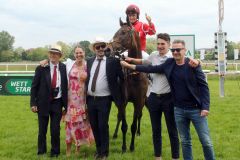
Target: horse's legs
{"type": "Point", "coordinates": [138, 106]}
{"type": "Point", "coordinates": [124, 127]}
{"type": "Point", "coordinates": [119, 118]}
{"type": "Point", "coordinates": [133, 129]}
{"type": "Point", "coordinates": [139, 124]}
{"type": "Point", "coordinates": [124, 132]}
{"type": "Point", "coordinates": [139, 119]}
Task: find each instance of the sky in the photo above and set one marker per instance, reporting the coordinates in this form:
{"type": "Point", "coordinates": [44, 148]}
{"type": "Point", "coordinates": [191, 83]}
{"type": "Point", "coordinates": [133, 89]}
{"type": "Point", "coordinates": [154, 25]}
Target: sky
{"type": "Point", "coordinates": [36, 23]}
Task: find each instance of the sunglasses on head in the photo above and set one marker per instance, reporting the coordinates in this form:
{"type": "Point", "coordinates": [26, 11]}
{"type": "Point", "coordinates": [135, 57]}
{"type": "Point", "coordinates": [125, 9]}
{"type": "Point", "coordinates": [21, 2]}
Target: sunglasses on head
{"type": "Point", "coordinates": [100, 46]}
{"type": "Point", "coordinates": [176, 49]}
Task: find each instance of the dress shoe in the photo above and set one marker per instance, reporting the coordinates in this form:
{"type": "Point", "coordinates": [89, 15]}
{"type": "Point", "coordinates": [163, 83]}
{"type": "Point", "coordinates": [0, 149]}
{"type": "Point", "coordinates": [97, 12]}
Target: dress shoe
{"type": "Point", "coordinates": [103, 158]}
{"type": "Point", "coordinates": [96, 156]}
{"type": "Point", "coordinates": [54, 155]}
{"type": "Point", "coordinates": [158, 158]}
{"type": "Point", "coordinates": [41, 153]}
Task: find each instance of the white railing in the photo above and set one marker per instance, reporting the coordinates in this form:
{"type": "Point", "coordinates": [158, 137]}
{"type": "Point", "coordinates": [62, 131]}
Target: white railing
{"type": "Point", "coordinates": [26, 66]}
{"type": "Point", "coordinates": [236, 65]}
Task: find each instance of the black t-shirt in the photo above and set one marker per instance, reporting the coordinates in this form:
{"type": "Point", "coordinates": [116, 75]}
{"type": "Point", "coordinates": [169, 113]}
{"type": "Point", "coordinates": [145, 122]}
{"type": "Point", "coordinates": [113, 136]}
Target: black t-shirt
{"type": "Point", "coordinates": [182, 95]}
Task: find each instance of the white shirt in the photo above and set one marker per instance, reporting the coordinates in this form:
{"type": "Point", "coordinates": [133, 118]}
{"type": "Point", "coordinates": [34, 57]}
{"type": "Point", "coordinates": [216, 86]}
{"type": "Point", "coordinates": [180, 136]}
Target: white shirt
{"type": "Point", "coordinates": [58, 84]}
{"type": "Point", "coordinates": [102, 88]}
{"type": "Point", "coordinates": [145, 55]}
{"type": "Point", "coordinates": [159, 83]}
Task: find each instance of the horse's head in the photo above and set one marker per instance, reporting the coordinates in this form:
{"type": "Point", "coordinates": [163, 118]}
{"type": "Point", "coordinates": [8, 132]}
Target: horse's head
{"type": "Point", "coordinates": [126, 38]}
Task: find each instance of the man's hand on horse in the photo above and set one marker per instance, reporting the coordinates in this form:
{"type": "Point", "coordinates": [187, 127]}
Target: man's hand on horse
{"type": "Point", "coordinates": [129, 59]}
{"type": "Point", "coordinates": [127, 65]}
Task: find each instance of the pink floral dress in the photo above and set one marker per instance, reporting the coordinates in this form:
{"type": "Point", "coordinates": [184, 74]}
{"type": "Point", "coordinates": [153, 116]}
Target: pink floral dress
{"type": "Point", "coordinates": [78, 128]}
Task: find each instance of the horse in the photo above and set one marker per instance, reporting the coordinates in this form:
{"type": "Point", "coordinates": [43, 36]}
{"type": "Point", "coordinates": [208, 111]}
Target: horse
{"type": "Point", "coordinates": [135, 84]}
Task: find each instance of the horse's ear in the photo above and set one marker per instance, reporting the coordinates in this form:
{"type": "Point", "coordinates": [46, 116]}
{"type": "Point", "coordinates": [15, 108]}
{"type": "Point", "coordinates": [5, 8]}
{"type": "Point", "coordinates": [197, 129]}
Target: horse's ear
{"type": "Point", "coordinates": [121, 22]}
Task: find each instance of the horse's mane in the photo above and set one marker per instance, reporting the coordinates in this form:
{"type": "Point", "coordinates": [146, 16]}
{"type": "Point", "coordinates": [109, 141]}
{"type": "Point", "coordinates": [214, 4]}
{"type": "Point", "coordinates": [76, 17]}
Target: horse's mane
{"type": "Point", "coordinates": [135, 52]}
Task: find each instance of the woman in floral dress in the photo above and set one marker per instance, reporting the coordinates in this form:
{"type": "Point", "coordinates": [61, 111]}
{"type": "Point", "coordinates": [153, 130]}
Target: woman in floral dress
{"type": "Point", "coordinates": [78, 129]}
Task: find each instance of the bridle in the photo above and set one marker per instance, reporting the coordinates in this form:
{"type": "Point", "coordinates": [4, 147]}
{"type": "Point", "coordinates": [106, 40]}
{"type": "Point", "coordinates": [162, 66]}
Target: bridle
{"type": "Point", "coordinates": [117, 52]}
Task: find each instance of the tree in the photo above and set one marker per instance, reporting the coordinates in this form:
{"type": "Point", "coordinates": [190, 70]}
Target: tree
{"type": "Point", "coordinates": [85, 45]}
{"type": "Point", "coordinates": [210, 55]}
{"type": "Point", "coordinates": [24, 55]}
{"type": "Point", "coordinates": [18, 54]}
{"type": "Point", "coordinates": [151, 45]}
{"type": "Point", "coordinates": [6, 41]}
{"type": "Point", "coordinates": [6, 46]}
{"type": "Point", "coordinates": [230, 50]}
{"type": "Point", "coordinates": [7, 56]}
{"type": "Point", "coordinates": [197, 54]}
{"type": "Point", "coordinates": [66, 49]}
{"type": "Point", "coordinates": [37, 54]}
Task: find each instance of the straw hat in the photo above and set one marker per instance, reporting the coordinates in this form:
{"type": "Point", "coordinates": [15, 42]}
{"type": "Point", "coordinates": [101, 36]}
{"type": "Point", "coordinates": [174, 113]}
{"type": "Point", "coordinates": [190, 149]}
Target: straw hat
{"type": "Point", "coordinates": [55, 48]}
{"type": "Point", "coordinates": [96, 41]}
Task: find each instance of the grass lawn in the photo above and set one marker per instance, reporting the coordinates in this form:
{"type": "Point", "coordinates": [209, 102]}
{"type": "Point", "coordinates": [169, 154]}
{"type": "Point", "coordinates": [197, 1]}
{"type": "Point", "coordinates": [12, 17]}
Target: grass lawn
{"type": "Point", "coordinates": [18, 130]}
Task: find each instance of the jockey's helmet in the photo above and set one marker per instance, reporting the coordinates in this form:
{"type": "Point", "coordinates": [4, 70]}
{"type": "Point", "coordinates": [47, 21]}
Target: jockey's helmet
{"type": "Point", "coordinates": [132, 9]}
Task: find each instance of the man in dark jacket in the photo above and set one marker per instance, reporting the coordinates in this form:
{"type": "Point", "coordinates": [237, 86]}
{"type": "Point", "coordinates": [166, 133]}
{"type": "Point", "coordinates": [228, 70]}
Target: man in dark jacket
{"type": "Point", "coordinates": [191, 97]}
{"type": "Point", "coordinates": [48, 98]}
{"type": "Point", "coordinates": [104, 79]}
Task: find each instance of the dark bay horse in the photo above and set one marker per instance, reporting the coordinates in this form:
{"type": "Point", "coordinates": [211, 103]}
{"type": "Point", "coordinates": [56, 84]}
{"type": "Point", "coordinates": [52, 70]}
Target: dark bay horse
{"type": "Point", "coordinates": [135, 83]}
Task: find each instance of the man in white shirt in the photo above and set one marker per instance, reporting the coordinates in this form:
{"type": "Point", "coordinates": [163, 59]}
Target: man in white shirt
{"type": "Point", "coordinates": [48, 98]}
{"type": "Point", "coordinates": [159, 99]}
{"type": "Point", "coordinates": [103, 86]}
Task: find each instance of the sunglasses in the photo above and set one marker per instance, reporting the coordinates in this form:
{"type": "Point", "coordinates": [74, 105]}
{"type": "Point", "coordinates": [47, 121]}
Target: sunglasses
{"type": "Point", "coordinates": [176, 49]}
{"type": "Point", "coordinates": [100, 46]}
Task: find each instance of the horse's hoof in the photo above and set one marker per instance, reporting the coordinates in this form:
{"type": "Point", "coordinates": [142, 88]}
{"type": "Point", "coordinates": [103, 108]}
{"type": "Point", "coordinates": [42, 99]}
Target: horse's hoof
{"type": "Point", "coordinates": [138, 134]}
{"type": "Point", "coordinates": [132, 148]}
{"type": "Point", "coordinates": [115, 136]}
{"type": "Point", "coordinates": [124, 149]}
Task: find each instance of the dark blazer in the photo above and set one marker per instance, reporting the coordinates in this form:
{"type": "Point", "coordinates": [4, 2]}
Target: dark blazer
{"type": "Point", "coordinates": [194, 78]}
{"type": "Point", "coordinates": [114, 77]}
{"type": "Point", "coordinates": [41, 89]}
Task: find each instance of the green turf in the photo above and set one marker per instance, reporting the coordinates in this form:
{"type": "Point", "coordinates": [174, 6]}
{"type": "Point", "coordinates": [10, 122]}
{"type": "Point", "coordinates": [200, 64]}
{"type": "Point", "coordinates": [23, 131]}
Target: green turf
{"type": "Point", "coordinates": [18, 130]}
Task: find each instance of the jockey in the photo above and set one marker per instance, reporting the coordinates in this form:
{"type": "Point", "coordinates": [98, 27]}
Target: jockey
{"type": "Point", "coordinates": [144, 29]}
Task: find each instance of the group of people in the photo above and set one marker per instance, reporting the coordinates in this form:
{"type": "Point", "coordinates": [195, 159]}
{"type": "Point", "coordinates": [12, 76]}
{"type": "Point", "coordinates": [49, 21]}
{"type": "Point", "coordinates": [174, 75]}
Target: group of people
{"type": "Point", "coordinates": [81, 93]}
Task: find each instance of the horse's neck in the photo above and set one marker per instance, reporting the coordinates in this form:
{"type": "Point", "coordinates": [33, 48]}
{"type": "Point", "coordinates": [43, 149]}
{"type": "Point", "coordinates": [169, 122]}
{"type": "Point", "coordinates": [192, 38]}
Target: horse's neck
{"type": "Point", "coordinates": [135, 53]}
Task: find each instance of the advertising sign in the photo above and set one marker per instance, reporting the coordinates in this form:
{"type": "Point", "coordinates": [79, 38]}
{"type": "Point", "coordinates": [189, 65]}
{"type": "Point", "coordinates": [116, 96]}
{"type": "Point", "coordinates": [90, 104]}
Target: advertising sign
{"type": "Point", "coordinates": [221, 52]}
{"type": "Point", "coordinates": [15, 84]}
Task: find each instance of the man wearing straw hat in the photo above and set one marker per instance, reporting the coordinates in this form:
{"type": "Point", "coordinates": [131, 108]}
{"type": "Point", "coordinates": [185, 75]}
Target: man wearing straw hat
{"type": "Point", "coordinates": [49, 99]}
{"type": "Point", "coordinates": [104, 79]}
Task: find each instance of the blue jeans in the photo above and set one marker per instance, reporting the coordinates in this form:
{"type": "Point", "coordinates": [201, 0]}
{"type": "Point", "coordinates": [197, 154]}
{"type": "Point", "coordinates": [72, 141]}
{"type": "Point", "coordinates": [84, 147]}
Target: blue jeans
{"type": "Point", "coordinates": [183, 117]}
